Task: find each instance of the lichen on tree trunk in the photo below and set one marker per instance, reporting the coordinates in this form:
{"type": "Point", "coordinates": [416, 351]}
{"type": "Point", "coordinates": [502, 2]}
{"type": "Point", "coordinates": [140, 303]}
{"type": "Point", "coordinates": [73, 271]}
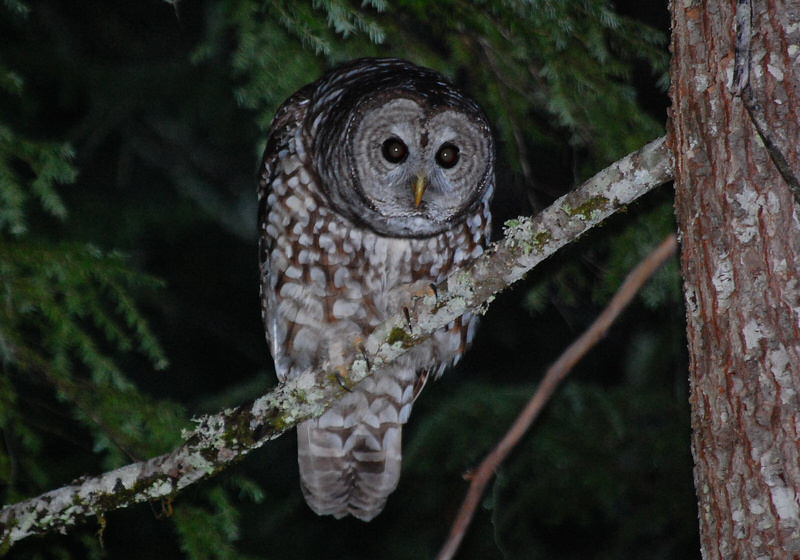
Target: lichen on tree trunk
{"type": "Point", "coordinates": [740, 255]}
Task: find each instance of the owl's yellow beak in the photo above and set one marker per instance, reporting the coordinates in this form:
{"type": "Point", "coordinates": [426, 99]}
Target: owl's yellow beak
{"type": "Point", "coordinates": [419, 188]}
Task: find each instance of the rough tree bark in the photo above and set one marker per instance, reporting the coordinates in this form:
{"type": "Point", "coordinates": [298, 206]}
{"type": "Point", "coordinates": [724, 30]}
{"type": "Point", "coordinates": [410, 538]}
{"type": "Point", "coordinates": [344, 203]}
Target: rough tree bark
{"type": "Point", "coordinates": [740, 257]}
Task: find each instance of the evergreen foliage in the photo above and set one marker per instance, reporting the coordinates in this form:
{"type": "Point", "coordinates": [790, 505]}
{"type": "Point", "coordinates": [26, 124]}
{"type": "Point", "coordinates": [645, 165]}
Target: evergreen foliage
{"type": "Point", "coordinates": [68, 319]}
{"type": "Point", "coordinates": [565, 62]}
{"type": "Point", "coordinates": [163, 107]}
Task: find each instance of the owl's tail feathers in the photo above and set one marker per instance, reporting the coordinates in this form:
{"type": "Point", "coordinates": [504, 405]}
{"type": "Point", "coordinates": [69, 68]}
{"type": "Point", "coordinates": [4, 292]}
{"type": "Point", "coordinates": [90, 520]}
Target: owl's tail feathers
{"type": "Point", "coordinates": [348, 470]}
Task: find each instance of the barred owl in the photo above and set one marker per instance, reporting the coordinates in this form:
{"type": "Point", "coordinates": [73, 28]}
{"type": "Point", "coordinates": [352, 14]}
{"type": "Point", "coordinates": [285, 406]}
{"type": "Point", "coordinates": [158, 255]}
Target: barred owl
{"type": "Point", "coordinates": [374, 177]}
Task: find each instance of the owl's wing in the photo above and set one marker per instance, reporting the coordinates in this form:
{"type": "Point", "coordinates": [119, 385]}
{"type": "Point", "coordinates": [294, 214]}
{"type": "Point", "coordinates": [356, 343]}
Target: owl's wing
{"type": "Point", "coordinates": [288, 118]}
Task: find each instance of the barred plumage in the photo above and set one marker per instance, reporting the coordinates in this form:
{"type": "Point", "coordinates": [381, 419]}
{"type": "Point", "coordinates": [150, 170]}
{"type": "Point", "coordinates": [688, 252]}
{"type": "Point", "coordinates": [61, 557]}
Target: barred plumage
{"type": "Point", "coordinates": [346, 223]}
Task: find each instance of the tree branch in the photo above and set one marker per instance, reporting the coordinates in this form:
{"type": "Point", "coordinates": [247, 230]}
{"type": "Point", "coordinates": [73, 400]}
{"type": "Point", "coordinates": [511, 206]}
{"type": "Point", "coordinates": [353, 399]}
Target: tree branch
{"type": "Point", "coordinates": [552, 379]}
{"type": "Point", "coordinates": [230, 435]}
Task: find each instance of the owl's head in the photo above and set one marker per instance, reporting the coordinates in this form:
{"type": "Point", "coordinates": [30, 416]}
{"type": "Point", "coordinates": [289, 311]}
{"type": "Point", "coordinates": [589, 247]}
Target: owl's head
{"type": "Point", "coordinates": [399, 149]}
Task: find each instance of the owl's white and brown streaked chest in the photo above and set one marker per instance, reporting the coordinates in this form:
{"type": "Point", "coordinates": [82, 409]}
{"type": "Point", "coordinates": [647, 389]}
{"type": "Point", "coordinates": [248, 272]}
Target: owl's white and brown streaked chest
{"type": "Point", "coordinates": [327, 280]}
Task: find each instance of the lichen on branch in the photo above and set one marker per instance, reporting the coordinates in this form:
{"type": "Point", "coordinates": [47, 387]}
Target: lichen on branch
{"type": "Point", "coordinates": [228, 436]}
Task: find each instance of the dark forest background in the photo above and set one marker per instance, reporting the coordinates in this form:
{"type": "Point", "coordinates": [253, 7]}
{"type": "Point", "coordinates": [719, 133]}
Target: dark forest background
{"type": "Point", "coordinates": [130, 136]}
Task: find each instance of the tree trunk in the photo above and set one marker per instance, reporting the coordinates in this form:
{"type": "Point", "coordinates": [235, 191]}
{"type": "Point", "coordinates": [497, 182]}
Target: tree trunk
{"type": "Point", "coordinates": [740, 257]}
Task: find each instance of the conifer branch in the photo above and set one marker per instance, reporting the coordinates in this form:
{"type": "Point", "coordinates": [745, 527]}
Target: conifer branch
{"type": "Point", "coordinates": [223, 438]}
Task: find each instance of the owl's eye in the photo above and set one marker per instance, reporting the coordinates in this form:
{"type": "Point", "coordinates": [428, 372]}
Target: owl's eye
{"type": "Point", "coordinates": [394, 150]}
{"type": "Point", "coordinates": [447, 156]}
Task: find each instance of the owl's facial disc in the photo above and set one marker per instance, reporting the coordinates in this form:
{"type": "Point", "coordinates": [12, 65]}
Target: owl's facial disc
{"type": "Point", "coordinates": [416, 171]}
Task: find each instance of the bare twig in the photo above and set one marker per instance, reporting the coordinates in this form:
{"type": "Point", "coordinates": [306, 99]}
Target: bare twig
{"type": "Point", "coordinates": [230, 435]}
{"type": "Point", "coordinates": [557, 372]}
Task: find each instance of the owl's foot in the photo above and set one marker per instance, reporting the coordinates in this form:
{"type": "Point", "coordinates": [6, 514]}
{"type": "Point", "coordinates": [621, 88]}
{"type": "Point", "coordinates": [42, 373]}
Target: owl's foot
{"type": "Point", "coordinates": [407, 294]}
{"type": "Point", "coordinates": [336, 357]}
{"type": "Point", "coordinates": [435, 292]}
{"type": "Point", "coordinates": [422, 289]}
{"type": "Point", "coordinates": [420, 292]}
{"type": "Point", "coordinates": [408, 318]}
{"type": "Point", "coordinates": [403, 297]}
{"type": "Point", "coordinates": [361, 347]}
{"type": "Point", "coordinates": [340, 373]}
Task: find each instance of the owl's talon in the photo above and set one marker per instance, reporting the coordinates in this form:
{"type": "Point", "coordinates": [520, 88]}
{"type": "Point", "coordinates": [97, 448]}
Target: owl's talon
{"type": "Point", "coordinates": [363, 349]}
{"type": "Point", "coordinates": [340, 374]}
{"type": "Point", "coordinates": [432, 286]}
{"type": "Point", "coordinates": [408, 318]}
